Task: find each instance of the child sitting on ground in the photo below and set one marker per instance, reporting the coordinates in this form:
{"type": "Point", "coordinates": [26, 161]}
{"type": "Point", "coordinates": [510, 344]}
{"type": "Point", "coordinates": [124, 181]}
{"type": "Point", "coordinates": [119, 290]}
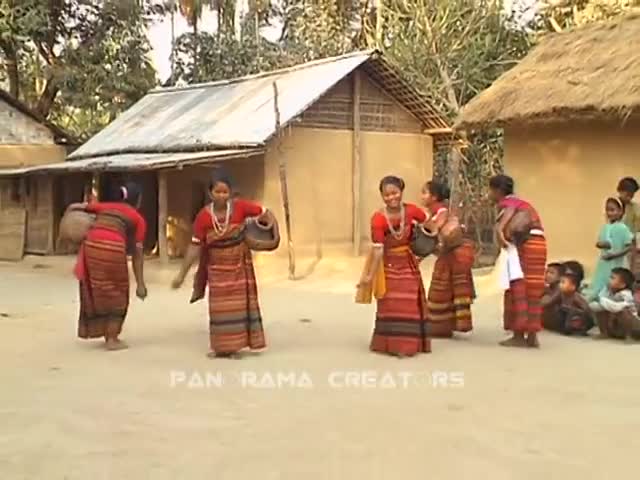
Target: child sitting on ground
{"type": "Point", "coordinates": [574, 267]}
{"type": "Point", "coordinates": [571, 312]}
{"type": "Point", "coordinates": [551, 296]}
{"type": "Point", "coordinates": [615, 309]}
{"type": "Point", "coordinates": [575, 315]}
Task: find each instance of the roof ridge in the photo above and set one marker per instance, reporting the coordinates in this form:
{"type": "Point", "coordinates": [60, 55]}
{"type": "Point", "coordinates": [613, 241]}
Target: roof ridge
{"type": "Point", "coordinates": [265, 74]}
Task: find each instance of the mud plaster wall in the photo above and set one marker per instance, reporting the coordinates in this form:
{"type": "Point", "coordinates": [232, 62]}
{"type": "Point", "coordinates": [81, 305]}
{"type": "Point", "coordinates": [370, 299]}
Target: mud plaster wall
{"type": "Point", "coordinates": [16, 128]}
{"type": "Point", "coordinates": [25, 142]}
{"type": "Point", "coordinates": [319, 169]}
{"type": "Point", "coordinates": [567, 173]}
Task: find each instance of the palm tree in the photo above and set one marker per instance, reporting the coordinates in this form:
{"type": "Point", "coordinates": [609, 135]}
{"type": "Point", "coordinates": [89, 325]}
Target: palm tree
{"type": "Point", "coordinates": [170, 5]}
{"type": "Point", "coordinates": [192, 10]}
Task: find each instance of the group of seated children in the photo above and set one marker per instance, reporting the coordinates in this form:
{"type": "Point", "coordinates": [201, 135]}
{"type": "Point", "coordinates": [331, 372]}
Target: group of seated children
{"type": "Point", "coordinates": [614, 310]}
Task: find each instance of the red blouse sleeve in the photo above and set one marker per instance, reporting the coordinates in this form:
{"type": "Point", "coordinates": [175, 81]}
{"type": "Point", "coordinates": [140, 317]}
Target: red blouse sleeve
{"type": "Point", "coordinates": [378, 227]}
{"type": "Point", "coordinates": [201, 226]}
{"type": "Point", "coordinates": [140, 225]}
{"type": "Point", "coordinates": [415, 213]}
{"type": "Point", "coordinates": [95, 207]}
{"type": "Point", "coordinates": [247, 209]}
{"type": "Point", "coordinates": [511, 202]}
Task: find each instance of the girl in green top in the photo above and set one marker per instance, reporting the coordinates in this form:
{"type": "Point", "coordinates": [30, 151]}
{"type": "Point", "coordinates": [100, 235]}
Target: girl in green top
{"type": "Point", "coordinates": [614, 243]}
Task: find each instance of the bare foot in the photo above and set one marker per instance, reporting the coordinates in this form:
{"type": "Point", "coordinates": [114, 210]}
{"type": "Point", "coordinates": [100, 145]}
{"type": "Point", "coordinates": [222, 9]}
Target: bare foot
{"type": "Point", "coordinates": [401, 355]}
{"type": "Point", "coordinates": [114, 345]}
{"type": "Point", "coordinates": [601, 336]}
{"type": "Point", "coordinates": [223, 355]}
{"type": "Point", "coordinates": [514, 342]}
{"type": "Point", "coordinates": [532, 341]}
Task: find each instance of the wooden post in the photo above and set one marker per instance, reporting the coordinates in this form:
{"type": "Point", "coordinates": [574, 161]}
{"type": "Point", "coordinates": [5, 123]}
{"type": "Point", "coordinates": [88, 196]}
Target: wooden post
{"type": "Point", "coordinates": [95, 187]}
{"type": "Point", "coordinates": [453, 175]}
{"type": "Point", "coordinates": [24, 204]}
{"type": "Point", "coordinates": [163, 207]}
{"type": "Point", "coordinates": [379, 23]}
{"type": "Point", "coordinates": [51, 209]}
{"type": "Point", "coordinates": [284, 189]}
{"type": "Point", "coordinates": [23, 192]}
{"type": "Point", "coordinates": [355, 166]}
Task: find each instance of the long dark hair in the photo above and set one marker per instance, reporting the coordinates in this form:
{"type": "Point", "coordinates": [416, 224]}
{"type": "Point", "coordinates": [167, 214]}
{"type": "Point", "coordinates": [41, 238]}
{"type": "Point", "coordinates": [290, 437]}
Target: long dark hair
{"type": "Point", "coordinates": [438, 190]}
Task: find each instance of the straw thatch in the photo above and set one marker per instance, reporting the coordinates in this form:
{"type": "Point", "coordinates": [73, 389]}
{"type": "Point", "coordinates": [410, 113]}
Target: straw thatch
{"type": "Point", "coordinates": [588, 73]}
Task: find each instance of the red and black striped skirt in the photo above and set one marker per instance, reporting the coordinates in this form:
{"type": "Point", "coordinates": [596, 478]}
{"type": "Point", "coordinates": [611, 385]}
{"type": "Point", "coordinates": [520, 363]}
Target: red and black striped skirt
{"type": "Point", "coordinates": [104, 287]}
{"type": "Point", "coordinates": [451, 292]}
{"type": "Point", "coordinates": [235, 321]}
{"type": "Point", "coordinates": [522, 302]}
{"type": "Point", "coordinates": [400, 327]}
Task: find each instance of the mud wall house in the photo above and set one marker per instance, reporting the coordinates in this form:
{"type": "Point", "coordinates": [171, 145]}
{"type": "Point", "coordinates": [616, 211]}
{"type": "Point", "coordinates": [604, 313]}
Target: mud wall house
{"type": "Point", "coordinates": [26, 215]}
{"type": "Point", "coordinates": [570, 112]}
{"type": "Point", "coordinates": [337, 126]}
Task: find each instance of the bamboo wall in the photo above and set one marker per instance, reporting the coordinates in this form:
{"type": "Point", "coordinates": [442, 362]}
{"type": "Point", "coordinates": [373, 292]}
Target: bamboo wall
{"type": "Point", "coordinates": [379, 112]}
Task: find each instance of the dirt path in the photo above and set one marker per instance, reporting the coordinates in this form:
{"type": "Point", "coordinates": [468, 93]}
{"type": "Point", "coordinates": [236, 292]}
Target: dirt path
{"type": "Point", "coordinates": [68, 410]}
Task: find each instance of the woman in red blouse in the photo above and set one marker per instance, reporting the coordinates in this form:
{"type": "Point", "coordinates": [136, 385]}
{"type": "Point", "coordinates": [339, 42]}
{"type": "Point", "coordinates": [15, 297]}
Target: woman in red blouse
{"type": "Point", "coordinates": [102, 265]}
{"type": "Point", "coordinates": [393, 275]}
{"type": "Point", "coordinates": [523, 299]}
{"type": "Point", "coordinates": [451, 290]}
{"type": "Point", "coordinates": [226, 266]}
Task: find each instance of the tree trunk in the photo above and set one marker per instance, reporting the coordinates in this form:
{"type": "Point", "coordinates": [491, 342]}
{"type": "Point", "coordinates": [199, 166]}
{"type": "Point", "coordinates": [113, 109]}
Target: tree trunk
{"type": "Point", "coordinates": [14, 78]}
{"type": "Point", "coordinates": [237, 19]}
{"type": "Point", "coordinates": [11, 64]}
{"type": "Point", "coordinates": [356, 166]}
{"type": "Point", "coordinates": [163, 202]}
{"type": "Point", "coordinates": [45, 102]}
{"type": "Point", "coordinates": [196, 41]}
{"type": "Point", "coordinates": [173, 45]}
{"type": "Point", "coordinates": [379, 23]}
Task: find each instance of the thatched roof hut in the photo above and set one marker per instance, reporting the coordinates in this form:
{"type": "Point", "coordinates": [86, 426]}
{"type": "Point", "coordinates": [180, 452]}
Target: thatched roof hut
{"type": "Point", "coordinates": [590, 72]}
{"type": "Point", "coordinates": [570, 112]}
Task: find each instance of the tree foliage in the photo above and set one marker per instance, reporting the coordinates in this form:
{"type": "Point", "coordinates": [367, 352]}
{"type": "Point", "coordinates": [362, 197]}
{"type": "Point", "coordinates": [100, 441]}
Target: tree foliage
{"type": "Point", "coordinates": [222, 57]}
{"type": "Point", "coordinates": [78, 62]}
{"type": "Point", "coordinates": [450, 49]}
{"type": "Point", "coordinates": [558, 15]}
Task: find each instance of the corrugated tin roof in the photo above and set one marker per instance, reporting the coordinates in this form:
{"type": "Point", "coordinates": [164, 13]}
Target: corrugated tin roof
{"type": "Point", "coordinates": [235, 113]}
{"type": "Point", "coordinates": [133, 161]}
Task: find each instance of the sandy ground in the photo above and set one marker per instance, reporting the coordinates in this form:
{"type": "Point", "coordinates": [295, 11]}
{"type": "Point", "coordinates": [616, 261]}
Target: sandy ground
{"type": "Point", "coordinates": [68, 410]}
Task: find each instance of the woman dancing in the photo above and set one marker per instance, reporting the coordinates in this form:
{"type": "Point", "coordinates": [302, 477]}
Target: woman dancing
{"type": "Point", "coordinates": [226, 266]}
{"type": "Point", "coordinates": [102, 265]}
{"type": "Point", "coordinates": [393, 277]}
{"type": "Point", "coordinates": [451, 291]}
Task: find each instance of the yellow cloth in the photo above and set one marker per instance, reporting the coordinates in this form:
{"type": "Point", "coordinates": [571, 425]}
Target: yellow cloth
{"type": "Point", "coordinates": [378, 286]}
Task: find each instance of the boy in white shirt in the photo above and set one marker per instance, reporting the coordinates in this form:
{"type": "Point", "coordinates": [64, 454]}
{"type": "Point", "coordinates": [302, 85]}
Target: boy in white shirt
{"type": "Point", "coordinates": [615, 308]}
